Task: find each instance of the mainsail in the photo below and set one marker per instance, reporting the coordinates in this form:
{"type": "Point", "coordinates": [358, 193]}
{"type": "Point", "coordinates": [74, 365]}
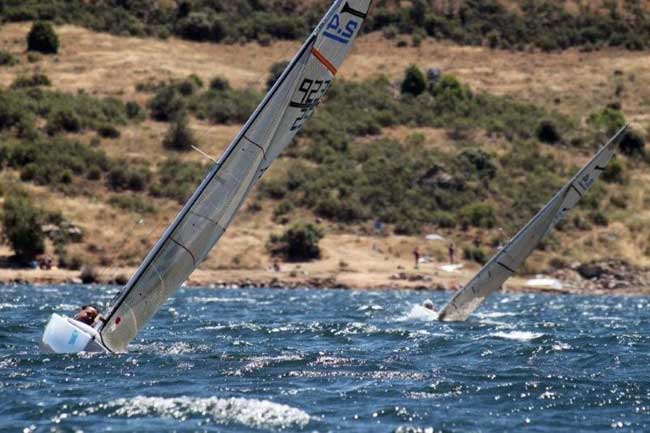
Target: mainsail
{"type": "Point", "coordinates": [504, 264]}
{"type": "Point", "coordinates": [207, 214]}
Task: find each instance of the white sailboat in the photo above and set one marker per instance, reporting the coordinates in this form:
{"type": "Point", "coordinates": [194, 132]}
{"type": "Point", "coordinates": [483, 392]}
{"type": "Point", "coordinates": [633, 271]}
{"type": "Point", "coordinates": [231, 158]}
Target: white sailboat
{"type": "Point", "coordinates": [506, 262]}
{"type": "Point", "coordinates": [205, 217]}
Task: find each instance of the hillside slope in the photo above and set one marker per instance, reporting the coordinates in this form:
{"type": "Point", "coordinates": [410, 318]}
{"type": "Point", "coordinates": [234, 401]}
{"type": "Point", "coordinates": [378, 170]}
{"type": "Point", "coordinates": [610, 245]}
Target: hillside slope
{"type": "Point", "coordinates": [575, 84]}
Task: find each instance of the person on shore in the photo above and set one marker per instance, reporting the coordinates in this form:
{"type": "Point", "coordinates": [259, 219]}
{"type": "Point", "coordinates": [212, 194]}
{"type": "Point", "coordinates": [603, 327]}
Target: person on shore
{"type": "Point", "coordinates": [88, 314]}
{"type": "Point", "coordinates": [416, 256]}
{"type": "Point", "coordinates": [452, 252]}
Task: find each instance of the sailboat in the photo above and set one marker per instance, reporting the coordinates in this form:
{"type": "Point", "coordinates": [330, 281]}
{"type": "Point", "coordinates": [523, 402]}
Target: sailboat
{"type": "Point", "coordinates": [507, 260]}
{"type": "Point", "coordinates": [200, 224]}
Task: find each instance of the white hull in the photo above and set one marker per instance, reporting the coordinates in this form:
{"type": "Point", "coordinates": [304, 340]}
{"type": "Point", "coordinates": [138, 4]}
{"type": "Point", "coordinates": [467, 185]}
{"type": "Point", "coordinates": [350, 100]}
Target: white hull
{"type": "Point", "coordinates": [66, 335]}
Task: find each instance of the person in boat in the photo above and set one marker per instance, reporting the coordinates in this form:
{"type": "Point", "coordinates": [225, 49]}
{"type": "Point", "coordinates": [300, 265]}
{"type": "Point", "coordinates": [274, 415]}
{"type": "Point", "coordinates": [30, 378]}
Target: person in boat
{"type": "Point", "coordinates": [88, 314]}
{"type": "Point", "coordinates": [428, 304]}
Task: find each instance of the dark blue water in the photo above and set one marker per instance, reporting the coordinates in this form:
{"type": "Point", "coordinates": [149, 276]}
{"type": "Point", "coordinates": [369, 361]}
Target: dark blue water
{"type": "Point", "coordinates": [309, 360]}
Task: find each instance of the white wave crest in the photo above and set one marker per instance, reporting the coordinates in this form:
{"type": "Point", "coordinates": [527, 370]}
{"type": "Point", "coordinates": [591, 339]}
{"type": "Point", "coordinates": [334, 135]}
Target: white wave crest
{"type": "Point", "coordinates": [249, 412]}
{"type": "Point", "coordinates": [418, 312]}
{"type": "Point", "coordinates": [517, 335]}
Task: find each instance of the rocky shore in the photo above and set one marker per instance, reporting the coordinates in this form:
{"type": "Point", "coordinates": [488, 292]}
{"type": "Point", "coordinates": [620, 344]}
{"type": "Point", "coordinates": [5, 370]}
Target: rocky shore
{"type": "Point", "coordinates": [613, 277]}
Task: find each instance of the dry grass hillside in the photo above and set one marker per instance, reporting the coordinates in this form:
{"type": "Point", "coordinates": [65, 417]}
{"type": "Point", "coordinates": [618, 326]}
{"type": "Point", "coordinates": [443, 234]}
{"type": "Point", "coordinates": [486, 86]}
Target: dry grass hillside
{"type": "Point", "coordinates": [571, 82]}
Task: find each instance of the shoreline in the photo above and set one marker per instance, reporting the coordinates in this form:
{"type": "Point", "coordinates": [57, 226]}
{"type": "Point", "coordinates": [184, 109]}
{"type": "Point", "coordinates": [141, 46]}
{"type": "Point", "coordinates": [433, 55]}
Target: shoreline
{"type": "Point", "coordinates": [425, 281]}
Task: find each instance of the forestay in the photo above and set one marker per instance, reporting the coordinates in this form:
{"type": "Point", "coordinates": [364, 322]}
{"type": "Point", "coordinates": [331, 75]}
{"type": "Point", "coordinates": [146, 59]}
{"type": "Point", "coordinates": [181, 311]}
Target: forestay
{"type": "Point", "coordinates": [207, 214]}
{"type": "Point", "coordinates": [504, 264]}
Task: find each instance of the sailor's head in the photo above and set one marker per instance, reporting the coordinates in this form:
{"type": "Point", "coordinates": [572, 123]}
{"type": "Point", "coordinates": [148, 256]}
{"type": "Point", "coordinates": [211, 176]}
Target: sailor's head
{"type": "Point", "coordinates": [87, 314]}
{"type": "Point", "coordinates": [428, 304]}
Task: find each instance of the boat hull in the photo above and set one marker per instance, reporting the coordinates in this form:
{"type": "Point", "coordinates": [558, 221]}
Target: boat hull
{"type": "Point", "coordinates": [65, 335]}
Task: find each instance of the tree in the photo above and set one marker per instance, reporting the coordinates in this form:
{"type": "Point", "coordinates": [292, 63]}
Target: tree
{"type": "Point", "coordinates": [22, 227]}
{"type": "Point", "coordinates": [179, 135]}
{"type": "Point", "coordinates": [414, 82]}
{"type": "Point", "coordinates": [42, 38]}
{"type": "Point", "coordinates": [298, 243]}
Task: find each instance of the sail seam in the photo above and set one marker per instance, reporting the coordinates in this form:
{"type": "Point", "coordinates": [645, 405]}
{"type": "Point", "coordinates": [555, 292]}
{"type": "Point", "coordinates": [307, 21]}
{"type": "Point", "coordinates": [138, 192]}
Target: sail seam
{"type": "Point", "coordinates": [256, 145]}
{"type": "Point", "coordinates": [185, 248]}
{"type": "Point", "coordinates": [505, 267]}
{"type": "Point", "coordinates": [577, 190]}
{"type": "Point", "coordinates": [347, 8]}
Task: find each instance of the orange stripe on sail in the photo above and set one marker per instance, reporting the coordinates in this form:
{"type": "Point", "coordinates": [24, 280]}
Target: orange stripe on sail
{"type": "Point", "coordinates": [321, 58]}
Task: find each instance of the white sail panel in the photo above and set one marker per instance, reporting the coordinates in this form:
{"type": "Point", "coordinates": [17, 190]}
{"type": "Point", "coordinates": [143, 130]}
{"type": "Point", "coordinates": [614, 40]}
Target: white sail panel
{"type": "Point", "coordinates": [506, 262]}
{"type": "Point", "coordinates": [207, 214]}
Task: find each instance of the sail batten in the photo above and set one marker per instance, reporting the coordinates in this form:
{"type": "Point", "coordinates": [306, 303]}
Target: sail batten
{"type": "Point", "coordinates": [505, 263]}
{"type": "Point", "coordinates": [207, 214]}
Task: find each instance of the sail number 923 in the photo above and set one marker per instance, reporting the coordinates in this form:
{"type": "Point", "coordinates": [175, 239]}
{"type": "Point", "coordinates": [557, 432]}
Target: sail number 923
{"type": "Point", "coordinates": [312, 92]}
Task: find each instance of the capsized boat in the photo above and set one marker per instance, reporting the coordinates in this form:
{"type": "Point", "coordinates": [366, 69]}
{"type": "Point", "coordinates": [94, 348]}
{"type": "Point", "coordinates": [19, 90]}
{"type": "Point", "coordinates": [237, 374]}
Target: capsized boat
{"type": "Point", "coordinates": [506, 262]}
{"type": "Point", "coordinates": [206, 215]}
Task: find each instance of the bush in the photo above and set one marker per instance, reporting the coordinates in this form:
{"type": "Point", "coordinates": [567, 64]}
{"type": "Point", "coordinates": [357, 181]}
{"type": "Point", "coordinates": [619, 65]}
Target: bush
{"type": "Point", "coordinates": [124, 177]}
{"type": "Point", "coordinates": [547, 132]}
{"type": "Point", "coordinates": [21, 222]}
{"type": "Point", "coordinates": [633, 144]}
{"type": "Point", "coordinates": [166, 104]}
{"type": "Point", "coordinates": [131, 203]}
{"type": "Point", "coordinates": [7, 59]}
{"type": "Point", "coordinates": [179, 136]}
{"type": "Point", "coordinates": [65, 120]}
{"type": "Point", "coordinates": [414, 82]}
{"type": "Point", "coordinates": [296, 244]}
{"type": "Point", "coordinates": [133, 110]}
{"type": "Point", "coordinates": [177, 179]}
{"type": "Point", "coordinates": [108, 131]}
{"type": "Point", "coordinates": [479, 215]}
{"type": "Point", "coordinates": [614, 172]}
{"type": "Point", "coordinates": [219, 83]}
{"type": "Point", "coordinates": [42, 38]}
{"type": "Point", "coordinates": [475, 254]}
{"type": "Point", "coordinates": [32, 81]}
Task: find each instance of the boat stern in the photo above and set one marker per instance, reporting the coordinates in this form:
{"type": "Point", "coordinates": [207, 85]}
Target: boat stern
{"type": "Point", "coordinates": [66, 335]}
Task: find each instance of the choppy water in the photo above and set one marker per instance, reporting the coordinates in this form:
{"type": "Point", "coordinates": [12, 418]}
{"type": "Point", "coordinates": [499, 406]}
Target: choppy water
{"type": "Point", "coordinates": [308, 360]}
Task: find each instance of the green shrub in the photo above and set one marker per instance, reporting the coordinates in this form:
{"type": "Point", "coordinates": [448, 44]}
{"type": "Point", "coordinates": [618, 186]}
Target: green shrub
{"type": "Point", "coordinates": [177, 179]}
{"type": "Point", "coordinates": [166, 104]}
{"type": "Point", "coordinates": [632, 144]}
{"type": "Point", "coordinates": [219, 83]}
{"type": "Point", "coordinates": [34, 80]}
{"type": "Point", "coordinates": [42, 38]}
{"type": "Point", "coordinates": [414, 82]}
{"type": "Point", "coordinates": [126, 177]}
{"type": "Point", "coordinates": [7, 59]}
{"type": "Point", "coordinates": [21, 223]}
{"type": "Point", "coordinates": [609, 119]}
{"type": "Point", "coordinates": [133, 110]}
{"type": "Point", "coordinates": [547, 132]}
{"type": "Point", "coordinates": [475, 254]}
{"type": "Point", "coordinates": [179, 136]}
{"type": "Point", "coordinates": [108, 131]}
{"type": "Point", "coordinates": [63, 120]}
{"type": "Point", "coordinates": [479, 215]}
{"type": "Point", "coordinates": [131, 203]}
{"type": "Point", "coordinates": [599, 218]}
{"type": "Point", "coordinates": [298, 243]}
{"type": "Point", "coordinates": [614, 172]}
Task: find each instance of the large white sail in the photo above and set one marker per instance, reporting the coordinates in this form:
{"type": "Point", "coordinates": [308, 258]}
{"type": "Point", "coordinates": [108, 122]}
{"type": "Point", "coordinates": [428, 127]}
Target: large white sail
{"type": "Point", "coordinates": [504, 264]}
{"type": "Point", "coordinates": [207, 214]}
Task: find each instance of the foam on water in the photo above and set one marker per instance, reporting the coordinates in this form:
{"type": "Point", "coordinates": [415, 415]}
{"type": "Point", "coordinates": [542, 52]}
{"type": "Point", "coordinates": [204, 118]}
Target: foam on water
{"type": "Point", "coordinates": [521, 336]}
{"type": "Point", "coordinates": [419, 313]}
{"type": "Point", "coordinates": [255, 413]}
